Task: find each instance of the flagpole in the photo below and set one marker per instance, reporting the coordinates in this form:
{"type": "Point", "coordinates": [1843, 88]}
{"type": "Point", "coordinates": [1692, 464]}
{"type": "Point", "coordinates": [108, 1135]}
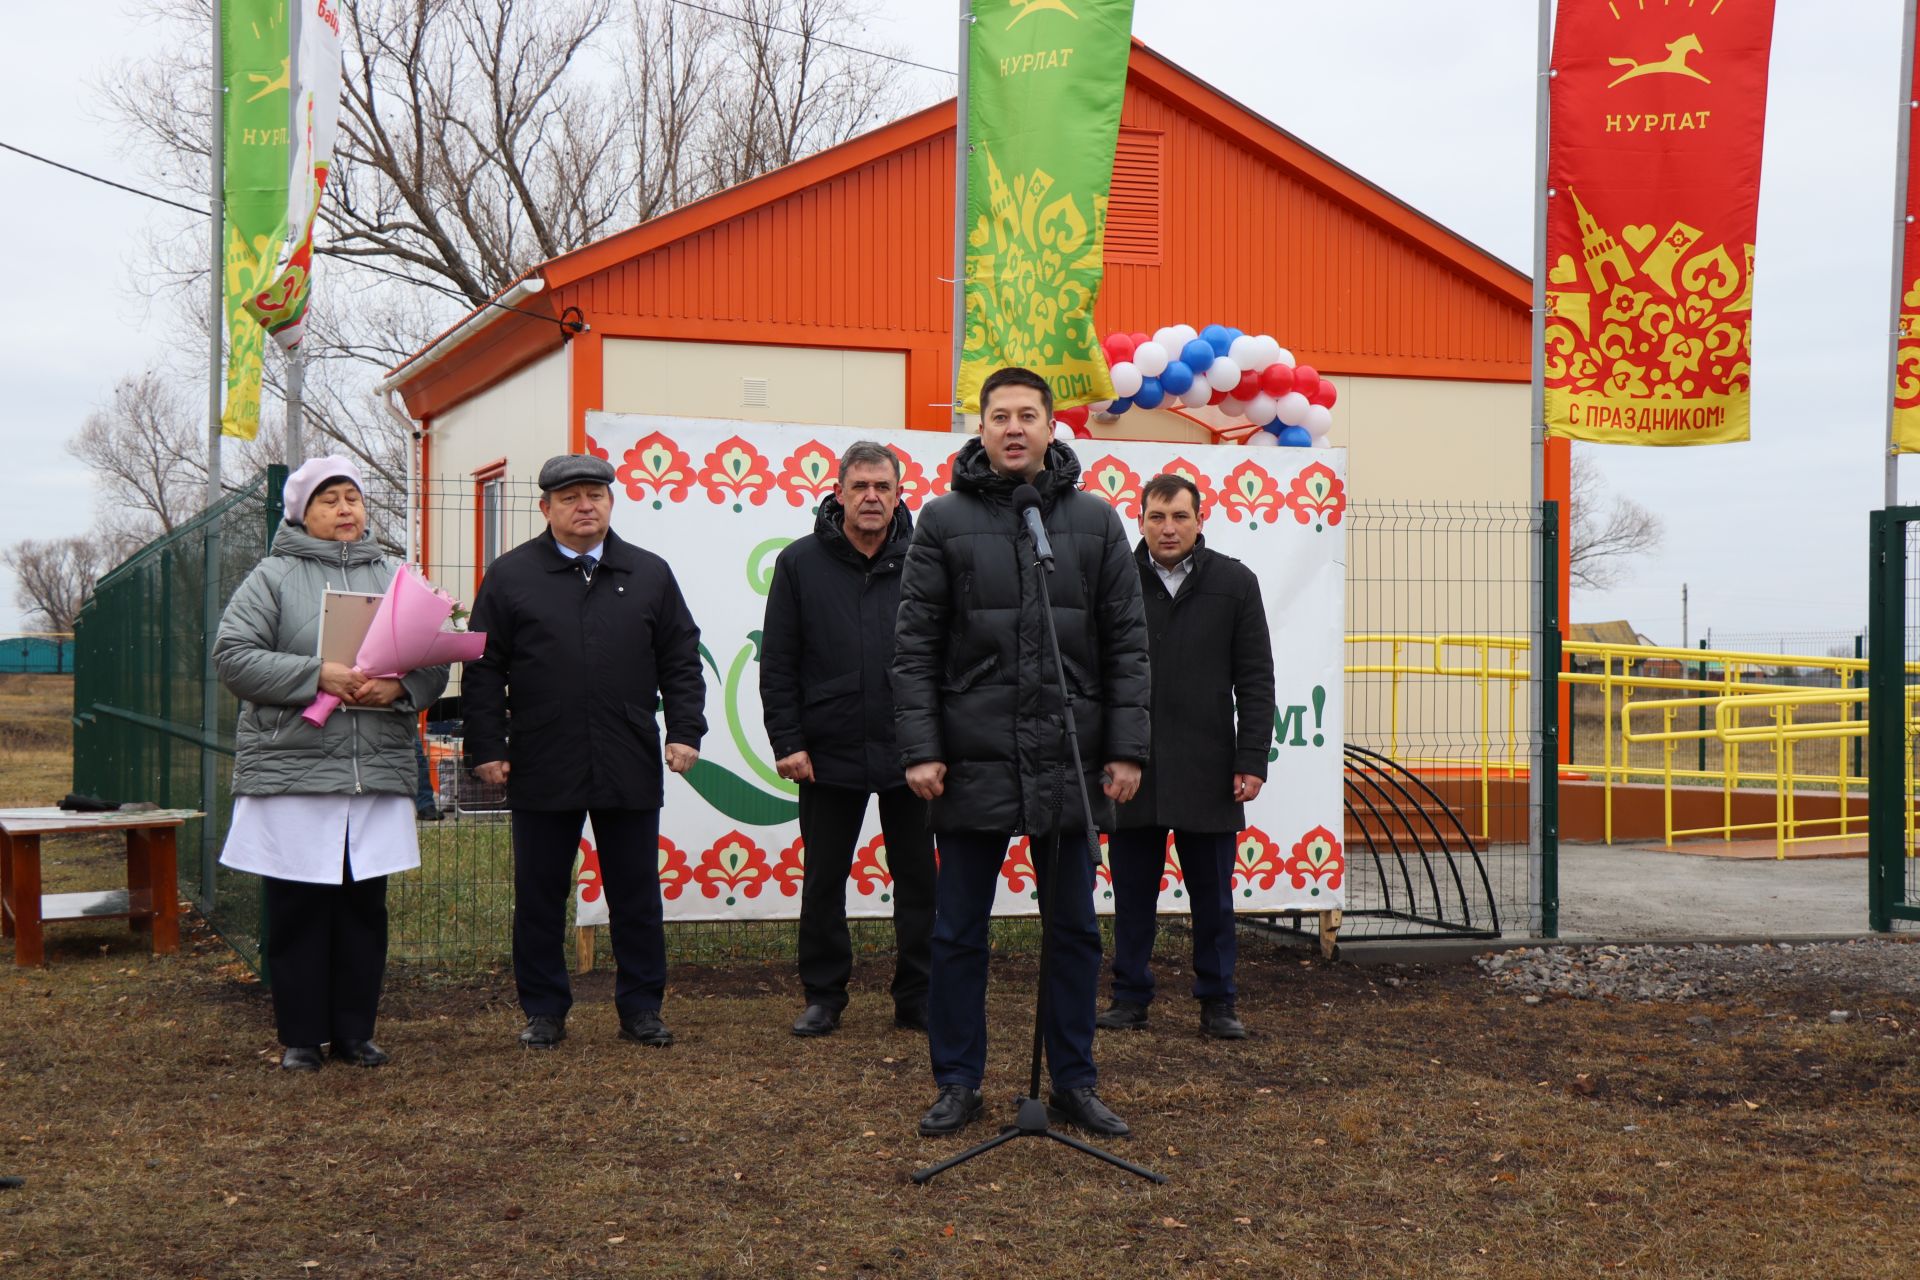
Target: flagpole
{"type": "Point", "coordinates": [216, 200]}
{"type": "Point", "coordinates": [296, 403]}
{"type": "Point", "coordinates": [1545, 757]}
{"type": "Point", "coordinates": [1904, 131]}
{"type": "Point", "coordinates": [959, 422]}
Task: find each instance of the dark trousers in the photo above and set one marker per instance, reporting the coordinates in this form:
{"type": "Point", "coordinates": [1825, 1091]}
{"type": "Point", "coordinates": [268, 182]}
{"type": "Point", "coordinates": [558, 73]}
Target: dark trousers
{"type": "Point", "coordinates": [957, 1004]}
{"type": "Point", "coordinates": [424, 801]}
{"type": "Point", "coordinates": [326, 954]}
{"type": "Point", "coordinates": [830, 820]}
{"type": "Point", "coordinates": [545, 843]}
{"type": "Point", "coordinates": [1206, 859]}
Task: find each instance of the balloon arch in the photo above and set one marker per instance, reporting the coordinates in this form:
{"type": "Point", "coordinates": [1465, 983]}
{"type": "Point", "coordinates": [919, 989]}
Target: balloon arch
{"type": "Point", "coordinates": [1250, 380]}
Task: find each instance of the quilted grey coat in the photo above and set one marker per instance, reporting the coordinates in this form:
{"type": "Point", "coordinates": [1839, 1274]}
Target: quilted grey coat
{"type": "Point", "coordinates": [266, 653]}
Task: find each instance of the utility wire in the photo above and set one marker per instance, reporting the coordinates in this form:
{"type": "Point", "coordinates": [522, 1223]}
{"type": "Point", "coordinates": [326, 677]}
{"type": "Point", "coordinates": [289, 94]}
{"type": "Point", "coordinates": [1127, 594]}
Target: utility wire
{"type": "Point", "coordinates": [786, 31]}
{"type": "Point", "coordinates": [94, 177]}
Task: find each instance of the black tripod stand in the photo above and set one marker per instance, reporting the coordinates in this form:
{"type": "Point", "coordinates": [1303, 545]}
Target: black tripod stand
{"type": "Point", "coordinates": [1030, 1118]}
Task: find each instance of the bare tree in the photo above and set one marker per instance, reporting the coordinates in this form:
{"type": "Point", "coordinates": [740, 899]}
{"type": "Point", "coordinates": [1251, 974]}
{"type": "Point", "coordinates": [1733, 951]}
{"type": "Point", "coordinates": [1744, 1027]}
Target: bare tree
{"type": "Point", "coordinates": [54, 576]}
{"type": "Point", "coordinates": [1606, 530]}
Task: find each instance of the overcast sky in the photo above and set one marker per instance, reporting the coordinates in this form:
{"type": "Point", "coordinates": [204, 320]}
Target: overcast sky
{"type": "Point", "coordinates": [1435, 103]}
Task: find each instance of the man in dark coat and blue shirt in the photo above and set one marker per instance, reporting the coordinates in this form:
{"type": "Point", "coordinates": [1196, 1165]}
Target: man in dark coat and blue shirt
{"type": "Point", "coordinates": [982, 731]}
{"type": "Point", "coordinates": [825, 652]}
{"type": "Point", "coordinates": [586, 636]}
{"type": "Point", "coordinates": [1212, 660]}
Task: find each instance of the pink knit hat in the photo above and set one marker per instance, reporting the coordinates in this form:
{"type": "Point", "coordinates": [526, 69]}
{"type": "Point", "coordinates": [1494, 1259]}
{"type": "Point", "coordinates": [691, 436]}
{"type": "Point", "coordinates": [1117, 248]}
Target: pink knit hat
{"type": "Point", "coordinates": [312, 476]}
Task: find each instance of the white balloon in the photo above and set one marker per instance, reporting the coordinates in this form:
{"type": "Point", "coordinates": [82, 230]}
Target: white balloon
{"type": "Point", "coordinates": [1223, 374]}
{"type": "Point", "coordinates": [1269, 348]}
{"type": "Point", "coordinates": [1262, 440]}
{"type": "Point", "coordinates": [1126, 378]}
{"type": "Point", "coordinates": [1291, 408]}
{"type": "Point", "coordinates": [1246, 352]}
{"type": "Point", "coordinates": [1099, 406]}
{"type": "Point", "coordinates": [1187, 334]}
{"type": "Point", "coordinates": [1260, 410]}
{"type": "Point", "coordinates": [1233, 408]}
{"type": "Point", "coordinates": [1063, 433]}
{"type": "Point", "coordinates": [1197, 395]}
{"type": "Point", "coordinates": [1318, 422]}
{"type": "Point", "coordinates": [1150, 358]}
{"type": "Point", "coordinates": [1167, 338]}
{"type": "Point", "coordinates": [1284, 356]}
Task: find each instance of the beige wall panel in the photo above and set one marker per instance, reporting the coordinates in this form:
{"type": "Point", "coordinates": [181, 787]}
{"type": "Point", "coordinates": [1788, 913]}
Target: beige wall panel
{"type": "Point", "coordinates": [821, 386]}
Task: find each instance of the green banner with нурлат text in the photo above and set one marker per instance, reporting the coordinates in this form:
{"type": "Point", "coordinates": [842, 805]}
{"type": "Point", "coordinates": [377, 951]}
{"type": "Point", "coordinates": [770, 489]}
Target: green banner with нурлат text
{"type": "Point", "coordinates": [1044, 84]}
{"type": "Point", "coordinates": [256, 62]}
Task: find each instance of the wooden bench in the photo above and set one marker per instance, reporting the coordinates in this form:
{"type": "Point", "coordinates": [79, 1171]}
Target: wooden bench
{"type": "Point", "coordinates": [150, 902]}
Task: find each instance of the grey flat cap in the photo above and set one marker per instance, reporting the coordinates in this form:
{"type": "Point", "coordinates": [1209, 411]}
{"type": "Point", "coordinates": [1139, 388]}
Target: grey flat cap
{"type": "Point", "coordinates": [574, 468]}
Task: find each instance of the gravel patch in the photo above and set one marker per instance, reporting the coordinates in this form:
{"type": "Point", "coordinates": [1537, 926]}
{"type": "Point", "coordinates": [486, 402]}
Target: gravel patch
{"type": "Point", "coordinates": [1681, 974]}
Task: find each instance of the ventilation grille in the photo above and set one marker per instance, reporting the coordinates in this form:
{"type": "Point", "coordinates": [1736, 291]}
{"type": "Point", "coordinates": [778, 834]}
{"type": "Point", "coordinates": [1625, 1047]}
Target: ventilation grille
{"type": "Point", "coordinates": [753, 392]}
{"type": "Point", "coordinates": [1133, 207]}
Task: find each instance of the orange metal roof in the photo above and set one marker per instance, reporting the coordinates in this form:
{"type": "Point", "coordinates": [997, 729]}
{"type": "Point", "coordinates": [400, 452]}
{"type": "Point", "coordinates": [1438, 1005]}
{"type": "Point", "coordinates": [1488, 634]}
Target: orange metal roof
{"type": "Point", "coordinates": [852, 247]}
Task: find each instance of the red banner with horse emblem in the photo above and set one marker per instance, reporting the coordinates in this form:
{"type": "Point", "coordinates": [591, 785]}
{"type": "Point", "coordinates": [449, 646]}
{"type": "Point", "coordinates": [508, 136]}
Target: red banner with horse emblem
{"type": "Point", "coordinates": [1906, 365]}
{"type": "Point", "coordinates": [1653, 184]}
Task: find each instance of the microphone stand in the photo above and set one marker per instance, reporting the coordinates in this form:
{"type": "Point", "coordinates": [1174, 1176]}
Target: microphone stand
{"type": "Point", "coordinates": [1030, 1118]}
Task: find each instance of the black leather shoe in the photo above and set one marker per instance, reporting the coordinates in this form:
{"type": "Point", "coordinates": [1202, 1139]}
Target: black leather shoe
{"type": "Point", "coordinates": [543, 1031]}
{"type": "Point", "coordinates": [1082, 1108]}
{"type": "Point", "coordinates": [361, 1053]}
{"type": "Point", "coordinates": [301, 1057]}
{"type": "Point", "coordinates": [911, 1016]}
{"type": "Point", "coordinates": [817, 1020]}
{"type": "Point", "coordinates": [646, 1028]}
{"type": "Point", "coordinates": [1122, 1015]}
{"type": "Point", "coordinates": [1218, 1019]}
{"type": "Point", "coordinates": [955, 1109]}
{"type": "Point", "coordinates": [429, 815]}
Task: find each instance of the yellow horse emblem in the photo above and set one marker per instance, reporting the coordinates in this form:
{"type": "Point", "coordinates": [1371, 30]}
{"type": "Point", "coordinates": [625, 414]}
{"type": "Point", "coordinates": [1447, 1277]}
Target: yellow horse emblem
{"type": "Point", "coordinates": [1674, 64]}
{"type": "Point", "coordinates": [1030, 7]}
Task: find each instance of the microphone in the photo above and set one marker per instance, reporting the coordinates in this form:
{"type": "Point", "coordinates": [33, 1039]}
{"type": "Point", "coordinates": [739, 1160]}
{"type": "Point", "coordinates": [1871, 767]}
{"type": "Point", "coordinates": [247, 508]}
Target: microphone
{"type": "Point", "coordinates": [1026, 501]}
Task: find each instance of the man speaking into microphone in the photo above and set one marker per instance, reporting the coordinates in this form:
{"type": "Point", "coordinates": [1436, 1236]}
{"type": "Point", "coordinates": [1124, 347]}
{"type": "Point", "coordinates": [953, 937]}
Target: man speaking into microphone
{"type": "Point", "coordinates": [982, 733]}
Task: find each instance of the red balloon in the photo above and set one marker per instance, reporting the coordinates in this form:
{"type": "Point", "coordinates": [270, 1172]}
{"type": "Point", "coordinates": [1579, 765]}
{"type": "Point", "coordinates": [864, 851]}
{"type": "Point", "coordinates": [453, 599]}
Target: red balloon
{"type": "Point", "coordinates": [1083, 433]}
{"type": "Point", "coordinates": [1075, 417]}
{"type": "Point", "coordinates": [1248, 388]}
{"type": "Point", "coordinates": [1305, 379]}
{"type": "Point", "coordinates": [1140, 339]}
{"type": "Point", "coordinates": [1324, 395]}
{"type": "Point", "coordinates": [1218, 396]}
{"type": "Point", "coordinates": [1276, 379]}
{"type": "Point", "coordinates": [1119, 348]}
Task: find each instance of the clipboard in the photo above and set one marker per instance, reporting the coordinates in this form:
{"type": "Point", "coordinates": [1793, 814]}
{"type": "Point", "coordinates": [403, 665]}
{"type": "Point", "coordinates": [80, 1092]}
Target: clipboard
{"type": "Point", "coordinates": [345, 618]}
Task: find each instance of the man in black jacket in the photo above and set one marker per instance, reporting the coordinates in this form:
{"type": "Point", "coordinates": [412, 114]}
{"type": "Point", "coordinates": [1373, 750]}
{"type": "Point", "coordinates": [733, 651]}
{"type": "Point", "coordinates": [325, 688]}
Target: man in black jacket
{"type": "Point", "coordinates": [1212, 657]}
{"type": "Point", "coordinates": [981, 730]}
{"type": "Point", "coordinates": [824, 656]}
{"type": "Point", "coordinates": [586, 635]}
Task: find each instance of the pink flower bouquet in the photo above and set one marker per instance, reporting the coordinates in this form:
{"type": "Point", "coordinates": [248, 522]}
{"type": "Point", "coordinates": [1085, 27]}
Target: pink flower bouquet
{"type": "Point", "coordinates": [408, 632]}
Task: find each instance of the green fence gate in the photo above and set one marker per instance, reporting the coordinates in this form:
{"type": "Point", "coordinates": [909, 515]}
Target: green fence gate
{"type": "Point", "coordinates": [1893, 873]}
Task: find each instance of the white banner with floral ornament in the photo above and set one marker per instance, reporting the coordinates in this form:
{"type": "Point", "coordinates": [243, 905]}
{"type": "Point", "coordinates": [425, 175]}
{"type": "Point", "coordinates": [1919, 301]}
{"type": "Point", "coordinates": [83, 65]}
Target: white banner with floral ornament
{"type": "Point", "coordinates": [719, 499]}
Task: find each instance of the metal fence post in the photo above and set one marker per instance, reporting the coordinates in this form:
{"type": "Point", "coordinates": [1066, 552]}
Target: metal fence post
{"type": "Point", "coordinates": [1859, 681]}
{"type": "Point", "coordinates": [1548, 761]}
{"type": "Point", "coordinates": [209, 707]}
{"type": "Point", "coordinates": [1886, 713]}
{"type": "Point", "coordinates": [1700, 713]}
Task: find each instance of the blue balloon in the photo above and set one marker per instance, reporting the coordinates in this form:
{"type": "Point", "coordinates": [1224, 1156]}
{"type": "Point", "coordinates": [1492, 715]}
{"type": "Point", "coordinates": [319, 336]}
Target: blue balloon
{"type": "Point", "coordinates": [1211, 332]}
{"type": "Point", "coordinates": [1121, 404]}
{"type": "Point", "coordinates": [1151, 393]}
{"type": "Point", "coordinates": [1176, 377]}
{"type": "Point", "coordinates": [1296, 437]}
{"type": "Point", "coordinates": [1221, 340]}
{"type": "Point", "coordinates": [1196, 355]}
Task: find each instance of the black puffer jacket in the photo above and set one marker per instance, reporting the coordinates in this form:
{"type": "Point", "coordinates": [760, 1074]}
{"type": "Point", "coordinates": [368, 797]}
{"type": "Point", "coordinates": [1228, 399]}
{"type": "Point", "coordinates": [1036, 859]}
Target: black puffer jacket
{"type": "Point", "coordinates": [973, 682]}
{"type": "Point", "coordinates": [1212, 662]}
{"type": "Point", "coordinates": [574, 673]}
{"type": "Point", "coordinates": [826, 650]}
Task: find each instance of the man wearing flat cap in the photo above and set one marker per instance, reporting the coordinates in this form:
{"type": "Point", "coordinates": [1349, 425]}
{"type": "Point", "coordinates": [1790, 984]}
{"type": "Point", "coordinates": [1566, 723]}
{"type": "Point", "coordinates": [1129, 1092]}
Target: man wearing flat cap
{"type": "Point", "coordinates": [587, 636]}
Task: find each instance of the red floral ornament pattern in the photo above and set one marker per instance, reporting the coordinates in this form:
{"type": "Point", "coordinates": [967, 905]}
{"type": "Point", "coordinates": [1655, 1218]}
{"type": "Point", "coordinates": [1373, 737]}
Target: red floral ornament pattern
{"type": "Point", "coordinates": [790, 871]}
{"type": "Point", "coordinates": [1209, 497]}
{"type": "Point", "coordinates": [737, 468]}
{"type": "Point", "coordinates": [1316, 857]}
{"type": "Point", "coordinates": [736, 866]}
{"type": "Point", "coordinates": [1018, 871]}
{"type": "Point", "coordinates": [872, 873]}
{"type": "Point", "coordinates": [943, 478]}
{"type": "Point", "coordinates": [676, 873]}
{"type": "Point", "coordinates": [587, 879]}
{"type": "Point", "coordinates": [1317, 496]}
{"type": "Point", "coordinates": [1256, 862]}
{"type": "Point", "coordinates": [809, 473]}
{"type": "Point", "coordinates": [656, 463]}
{"type": "Point", "coordinates": [1115, 481]}
{"type": "Point", "coordinates": [914, 489]}
{"type": "Point", "coordinates": [593, 447]}
{"type": "Point", "coordinates": [1172, 874]}
{"type": "Point", "coordinates": [1250, 494]}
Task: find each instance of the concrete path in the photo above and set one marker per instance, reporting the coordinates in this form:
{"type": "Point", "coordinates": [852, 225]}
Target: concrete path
{"type": "Point", "coordinates": [1639, 892]}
